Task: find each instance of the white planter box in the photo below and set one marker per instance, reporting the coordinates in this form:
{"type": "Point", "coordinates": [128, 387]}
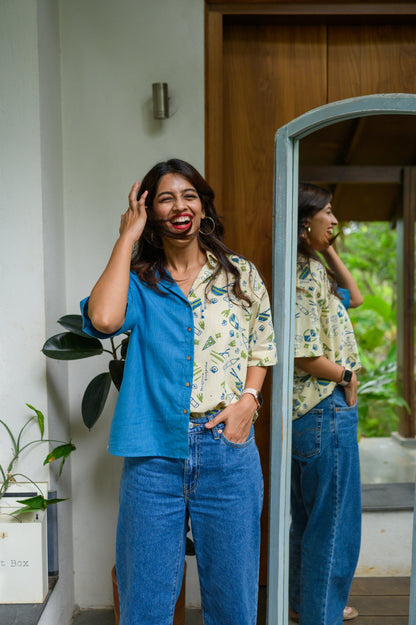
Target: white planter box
{"type": "Point", "coordinates": [23, 552]}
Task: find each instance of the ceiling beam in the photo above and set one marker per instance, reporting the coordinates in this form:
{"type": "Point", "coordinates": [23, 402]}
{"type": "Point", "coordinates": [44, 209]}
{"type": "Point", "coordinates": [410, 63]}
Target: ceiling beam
{"type": "Point", "coordinates": [334, 174]}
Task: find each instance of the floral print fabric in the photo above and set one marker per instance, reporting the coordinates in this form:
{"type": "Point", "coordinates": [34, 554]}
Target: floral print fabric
{"type": "Point", "coordinates": [228, 337]}
{"type": "Point", "coordinates": [322, 328]}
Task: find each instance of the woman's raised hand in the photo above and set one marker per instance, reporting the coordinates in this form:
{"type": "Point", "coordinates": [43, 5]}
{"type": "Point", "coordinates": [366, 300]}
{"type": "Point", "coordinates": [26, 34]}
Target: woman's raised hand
{"type": "Point", "coordinates": [134, 219]}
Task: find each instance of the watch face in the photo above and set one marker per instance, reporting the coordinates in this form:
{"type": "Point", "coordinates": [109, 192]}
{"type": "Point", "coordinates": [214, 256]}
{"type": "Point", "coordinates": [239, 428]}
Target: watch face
{"type": "Point", "coordinates": [260, 399]}
{"type": "Point", "coordinates": [347, 377]}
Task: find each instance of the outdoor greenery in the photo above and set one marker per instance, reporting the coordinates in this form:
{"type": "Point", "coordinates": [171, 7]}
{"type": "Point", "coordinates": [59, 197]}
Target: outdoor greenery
{"type": "Point", "coordinates": [369, 251]}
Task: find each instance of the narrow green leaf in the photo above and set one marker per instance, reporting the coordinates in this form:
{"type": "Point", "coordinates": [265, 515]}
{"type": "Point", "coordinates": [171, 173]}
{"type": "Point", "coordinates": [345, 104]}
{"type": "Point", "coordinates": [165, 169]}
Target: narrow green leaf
{"type": "Point", "coordinates": [34, 503]}
{"type": "Point", "coordinates": [73, 323]}
{"type": "Point", "coordinates": [40, 419]}
{"type": "Point", "coordinates": [16, 449]}
{"type": "Point", "coordinates": [62, 451]}
{"type": "Point", "coordinates": [70, 346]}
{"type": "Point", "coordinates": [51, 502]}
{"type": "Point", "coordinates": [94, 398]}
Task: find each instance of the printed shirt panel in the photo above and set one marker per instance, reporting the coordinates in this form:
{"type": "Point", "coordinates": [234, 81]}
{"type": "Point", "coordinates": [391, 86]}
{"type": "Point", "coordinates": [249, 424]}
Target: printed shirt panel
{"type": "Point", "coordinates": [322, 328]}
{"type": "Point", "coordinates": [228, 337]}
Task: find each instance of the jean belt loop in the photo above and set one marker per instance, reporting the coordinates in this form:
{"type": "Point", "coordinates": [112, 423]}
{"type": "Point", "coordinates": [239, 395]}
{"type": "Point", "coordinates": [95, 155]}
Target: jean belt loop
{"type": "Point", "coordinates": [215, 432]}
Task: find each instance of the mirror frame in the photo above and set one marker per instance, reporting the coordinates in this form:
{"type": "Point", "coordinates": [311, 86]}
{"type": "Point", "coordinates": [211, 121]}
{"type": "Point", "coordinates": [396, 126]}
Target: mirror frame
{"type": "Point", "coordinates": [284, 275]}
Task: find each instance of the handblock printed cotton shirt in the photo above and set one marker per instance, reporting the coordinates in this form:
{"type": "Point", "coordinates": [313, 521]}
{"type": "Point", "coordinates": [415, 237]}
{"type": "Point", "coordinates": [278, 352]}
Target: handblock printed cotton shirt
{"type": "Point", "coordinates": [322, 328]}
{"type": "Point", "coordinates": [229, 336]}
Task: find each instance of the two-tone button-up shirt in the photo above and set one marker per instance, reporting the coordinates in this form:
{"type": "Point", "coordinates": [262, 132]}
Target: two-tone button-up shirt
{"type": "Point", "coordinates": [185, 355]}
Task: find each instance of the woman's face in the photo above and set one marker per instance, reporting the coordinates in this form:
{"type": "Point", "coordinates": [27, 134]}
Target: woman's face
{"type": "Point", "coordinates": [321, 227]}
{"type": "Point", "coordinates": [178, 205]}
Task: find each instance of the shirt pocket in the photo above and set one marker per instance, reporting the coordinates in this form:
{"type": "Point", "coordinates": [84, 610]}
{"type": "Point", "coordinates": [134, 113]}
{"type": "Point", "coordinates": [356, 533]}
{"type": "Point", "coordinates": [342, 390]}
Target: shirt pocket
{"type": "Point", "coordinates": [306, 435]}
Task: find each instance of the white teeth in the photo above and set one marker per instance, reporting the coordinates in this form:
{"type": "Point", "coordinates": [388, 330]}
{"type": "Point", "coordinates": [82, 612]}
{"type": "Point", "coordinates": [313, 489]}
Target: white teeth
{"type": "Point", "coordinates": [181, 220]}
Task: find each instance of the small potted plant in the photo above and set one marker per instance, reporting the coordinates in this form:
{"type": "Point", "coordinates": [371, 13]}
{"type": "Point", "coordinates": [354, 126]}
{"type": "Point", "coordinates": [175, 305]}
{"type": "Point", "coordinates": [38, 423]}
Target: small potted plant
{"type": "Point", "coordinates": [23, 505]}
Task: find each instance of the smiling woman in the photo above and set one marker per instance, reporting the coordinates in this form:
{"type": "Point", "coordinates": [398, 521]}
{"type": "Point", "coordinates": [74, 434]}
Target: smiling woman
{"type": "Point", "coordinates": [201, 339]}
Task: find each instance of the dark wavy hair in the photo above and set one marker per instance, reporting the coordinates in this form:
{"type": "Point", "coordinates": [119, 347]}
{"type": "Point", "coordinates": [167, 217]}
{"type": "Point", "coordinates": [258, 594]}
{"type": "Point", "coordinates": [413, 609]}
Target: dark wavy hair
{"type": "Point", "coordinates": [312, 199]}
{"type": "Point", "coordinates": [148, 259]}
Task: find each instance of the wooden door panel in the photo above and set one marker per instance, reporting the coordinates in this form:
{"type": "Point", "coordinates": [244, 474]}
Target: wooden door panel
{"type": "Point", "coordinates": [270, 75]}
{"type": "Point", "coordinates": [267, 82]}
{"type": "Point", "coordinates": [366, 59]}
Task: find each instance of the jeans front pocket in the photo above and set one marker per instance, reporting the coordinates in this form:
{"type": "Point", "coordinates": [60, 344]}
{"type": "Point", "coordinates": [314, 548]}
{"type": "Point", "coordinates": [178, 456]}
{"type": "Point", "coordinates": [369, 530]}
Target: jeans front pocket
{"type": "Point", "coordinates": [306, 434]}
{"type": "Point", "coordinates": [249, 440]}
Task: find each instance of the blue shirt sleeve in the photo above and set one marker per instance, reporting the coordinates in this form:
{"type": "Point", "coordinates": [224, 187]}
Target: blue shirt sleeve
{"type": "Point", "coordinates": [345, 296]}
{"type": "Point", "coordinates": [128, 321]}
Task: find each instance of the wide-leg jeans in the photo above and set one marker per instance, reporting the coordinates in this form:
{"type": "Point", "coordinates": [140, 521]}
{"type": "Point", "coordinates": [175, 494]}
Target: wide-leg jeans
{"type": "Point", "coordinates": [220, 488]}
{"type": "Point", "coordinates": [325, 532]}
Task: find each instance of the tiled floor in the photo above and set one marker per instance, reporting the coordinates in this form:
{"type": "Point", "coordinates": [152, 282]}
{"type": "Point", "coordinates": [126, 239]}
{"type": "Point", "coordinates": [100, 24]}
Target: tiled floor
{"type": "Point", "coordinates": [384, 461]}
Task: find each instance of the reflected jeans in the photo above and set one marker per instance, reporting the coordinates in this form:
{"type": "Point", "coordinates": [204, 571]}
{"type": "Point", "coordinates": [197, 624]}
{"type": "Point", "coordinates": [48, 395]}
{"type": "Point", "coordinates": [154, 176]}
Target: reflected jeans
{"type": "Point", "coordinates": [220, 488]}
{"type": "Point", "coordinates": [325, 531]}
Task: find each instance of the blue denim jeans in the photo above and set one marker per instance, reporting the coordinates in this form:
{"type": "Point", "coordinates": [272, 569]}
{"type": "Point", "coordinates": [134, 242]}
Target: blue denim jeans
{"type": "Point", "coordinates": [220, 488]}
{"type": "Point", "coordinates": [325, 531]}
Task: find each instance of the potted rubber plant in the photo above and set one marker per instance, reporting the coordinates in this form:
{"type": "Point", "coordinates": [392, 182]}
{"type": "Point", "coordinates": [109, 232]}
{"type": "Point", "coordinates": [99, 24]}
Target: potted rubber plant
{"type": "Point", "coordinates": [23, 505]}
{"type": "Point", "coordinates": [75, 344]}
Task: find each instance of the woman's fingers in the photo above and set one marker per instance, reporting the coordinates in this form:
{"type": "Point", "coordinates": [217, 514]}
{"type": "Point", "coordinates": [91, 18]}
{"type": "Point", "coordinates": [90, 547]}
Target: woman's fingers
{"type": "Point", "coordinates": [134, 219]}
{"type": "Point", "coordinates": [133, 195]}
{"type": "Point", "coordinates": [237, 418]}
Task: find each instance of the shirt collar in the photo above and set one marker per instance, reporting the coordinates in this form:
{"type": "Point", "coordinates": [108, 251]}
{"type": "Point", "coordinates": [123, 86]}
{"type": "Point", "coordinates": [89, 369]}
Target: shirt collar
{"type": "Point", "coordinates": [212, 260]}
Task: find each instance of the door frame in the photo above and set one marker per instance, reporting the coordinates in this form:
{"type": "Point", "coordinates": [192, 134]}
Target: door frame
{"type": "Point", "coordinates": [284, 280]}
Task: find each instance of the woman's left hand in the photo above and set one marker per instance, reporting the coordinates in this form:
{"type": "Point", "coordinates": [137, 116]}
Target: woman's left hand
{"type": "Point", "coordinates": [238, 418]}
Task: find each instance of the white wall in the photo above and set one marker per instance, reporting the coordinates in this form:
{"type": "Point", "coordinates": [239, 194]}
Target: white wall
{"type": "Point", "coordinates": [112, 51]}
{"type": "Point", "coordinates": [68, 158]}
{"type": "Point", "coordinates": [61, 604]}
{"type": "Point", "coordinates": [32, 259]}
{"type": "Point", "coordinates": [22, 327]}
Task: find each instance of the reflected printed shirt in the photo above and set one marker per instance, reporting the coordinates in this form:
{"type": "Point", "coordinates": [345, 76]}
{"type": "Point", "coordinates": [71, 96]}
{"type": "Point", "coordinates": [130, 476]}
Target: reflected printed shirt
{"type": "Point", "coordinates": [228, 336]}
{"type": "Point", "coordinates": [322, 328]}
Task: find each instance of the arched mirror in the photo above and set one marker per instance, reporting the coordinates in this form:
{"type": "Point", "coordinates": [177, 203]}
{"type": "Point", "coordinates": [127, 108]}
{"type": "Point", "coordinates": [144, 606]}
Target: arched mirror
{"type": "Point", "coordinates": [348, 116]}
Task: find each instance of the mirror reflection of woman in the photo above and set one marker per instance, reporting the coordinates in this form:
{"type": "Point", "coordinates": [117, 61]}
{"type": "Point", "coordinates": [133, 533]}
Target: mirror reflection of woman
{"type": "Point", "coordinates": [200, 344]}
{"type": "Point", "coordinates": [326, 490]}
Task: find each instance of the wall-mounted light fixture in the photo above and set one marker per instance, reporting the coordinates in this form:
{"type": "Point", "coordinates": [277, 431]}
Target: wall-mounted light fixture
{"type": "Point", "coordinates": [160, 100]}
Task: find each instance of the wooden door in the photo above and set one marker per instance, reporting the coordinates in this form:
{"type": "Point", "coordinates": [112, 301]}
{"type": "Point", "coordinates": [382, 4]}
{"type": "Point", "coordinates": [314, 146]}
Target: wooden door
{"type": "Point", "coordinates": [258, 63]}
{"type": "Point", "coordinates": [264, 74]}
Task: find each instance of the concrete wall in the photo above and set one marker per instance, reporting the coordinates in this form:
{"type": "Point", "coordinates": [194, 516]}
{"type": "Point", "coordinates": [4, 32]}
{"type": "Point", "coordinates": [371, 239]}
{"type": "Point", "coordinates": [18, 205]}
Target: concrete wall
{"type": "Point", "coordinates": [32, 259]}
{"type": "Point", "coordinates": [112, 51]}
{"type": "Point", "coordinates": [22, 308]}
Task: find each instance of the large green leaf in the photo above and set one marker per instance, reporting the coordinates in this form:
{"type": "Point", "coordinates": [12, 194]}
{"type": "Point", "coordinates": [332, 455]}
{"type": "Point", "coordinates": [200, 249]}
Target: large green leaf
{"type": "Point", "coordinates": [116, 368]}
{"type": "Point", "coordinates": [73, 323]}
{"type": "Point", "coordinates": [378, 305]}
{"type": "Point", "coordinates": [124, 346]}
{"type": "Point", "coordinates": [71, 346]}
{"type": "Point", "coordinates": [94, 398]}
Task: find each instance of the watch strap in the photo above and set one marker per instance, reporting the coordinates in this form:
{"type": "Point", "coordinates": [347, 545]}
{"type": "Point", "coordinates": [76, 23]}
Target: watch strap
{"type": "Point", "coordinates": [346, 377]}
{"type": "Point", "coordinates": [256, 394]}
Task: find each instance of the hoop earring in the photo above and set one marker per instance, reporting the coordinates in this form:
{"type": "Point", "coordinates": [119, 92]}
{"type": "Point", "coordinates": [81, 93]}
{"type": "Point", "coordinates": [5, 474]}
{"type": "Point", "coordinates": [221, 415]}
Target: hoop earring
{"type": "Point", "coordinates": [212, 228]}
